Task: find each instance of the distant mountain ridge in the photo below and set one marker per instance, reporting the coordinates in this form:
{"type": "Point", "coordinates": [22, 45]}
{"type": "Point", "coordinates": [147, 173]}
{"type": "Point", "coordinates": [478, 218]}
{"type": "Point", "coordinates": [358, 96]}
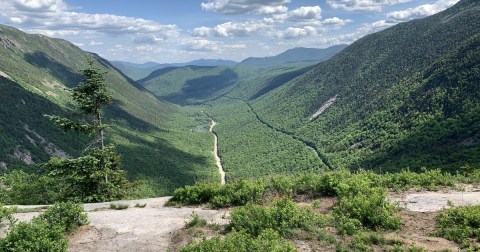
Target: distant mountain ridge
{"type": "Point", "coordinates": [139, 71]}
{"type": "Point", "coordinates": [295, 55]}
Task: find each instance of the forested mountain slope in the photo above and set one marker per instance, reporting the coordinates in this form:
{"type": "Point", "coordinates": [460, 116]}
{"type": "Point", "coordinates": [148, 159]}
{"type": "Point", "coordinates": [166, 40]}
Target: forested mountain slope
{"type": "Point", "coordinates": [189, 84]}
{"type": "Point", "coordinates": [253, 77]}
{"type": "Point", "coordinates": [137, 71]}
{"type": "Point", "coordinates": [295, 56]}
{"type": "Point", "coordinates": [153, 136]}
{"type": "Point", "coordinates": [407, 96]}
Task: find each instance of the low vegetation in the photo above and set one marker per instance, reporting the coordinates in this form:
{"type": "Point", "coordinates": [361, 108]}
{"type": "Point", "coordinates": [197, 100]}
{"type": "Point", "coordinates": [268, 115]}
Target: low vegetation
{"type": "Point", "coordinates": [358, 220]}
{"type": "Point", "coordinates": [45, 232]}
{"type": "Point", "coordinates": [462, 225]}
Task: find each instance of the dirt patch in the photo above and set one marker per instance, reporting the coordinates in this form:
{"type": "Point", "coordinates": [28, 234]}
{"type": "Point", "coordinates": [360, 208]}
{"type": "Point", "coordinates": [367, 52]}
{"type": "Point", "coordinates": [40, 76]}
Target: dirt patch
{"type": "Point", "coordinates": [418, 229]}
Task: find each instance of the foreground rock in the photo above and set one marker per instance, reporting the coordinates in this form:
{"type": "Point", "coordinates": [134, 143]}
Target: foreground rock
{"type": "Point", "coordinates": [135, 228]}
{"type": "Point", "coordinates": [436, 201]}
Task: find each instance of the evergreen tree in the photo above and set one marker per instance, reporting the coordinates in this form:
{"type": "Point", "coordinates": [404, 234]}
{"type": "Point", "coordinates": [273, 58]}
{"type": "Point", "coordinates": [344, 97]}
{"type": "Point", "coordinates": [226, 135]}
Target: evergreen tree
{"type": "Point", "coordinates": [96, 176]}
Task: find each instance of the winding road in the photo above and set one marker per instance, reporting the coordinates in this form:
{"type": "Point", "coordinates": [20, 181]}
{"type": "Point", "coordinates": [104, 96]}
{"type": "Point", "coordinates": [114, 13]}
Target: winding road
{"type": "Point", "coordinates": [215, 151]}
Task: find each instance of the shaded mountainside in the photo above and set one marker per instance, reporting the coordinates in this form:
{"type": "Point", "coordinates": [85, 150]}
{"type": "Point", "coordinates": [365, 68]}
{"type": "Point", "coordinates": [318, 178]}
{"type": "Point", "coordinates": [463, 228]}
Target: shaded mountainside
{"type": "Point", "coordinates": [190, 84]}
{"type": "Point", "coordinates": [404, 97]}
{"type": "Point", "coordinates": [296, 55]}
{"type": "Point", "coordinates": [137, 71]}
{"type": "Point", "coordinates": [153, 136]}
{"type": "Point", "coordinates": [199, 84]}
{"type": "Point", "coordinates": [140, 71]}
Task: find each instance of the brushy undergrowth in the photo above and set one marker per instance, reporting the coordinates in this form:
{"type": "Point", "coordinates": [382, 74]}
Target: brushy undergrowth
{"type": "Point", "coordinates": [268, 240]}
{"type": "Point", "coordinates": [313, 184]}
{"type": "Point", "coordinates": [45, 232]}
{"type": "Point", "coordinates": [460, 224]}
{"type": "Point", "coordinates": [284, 216]}
{"type": "Point", "coordinates": [266, 205]}
{"type": "Point", "coordinates": [196, 221]}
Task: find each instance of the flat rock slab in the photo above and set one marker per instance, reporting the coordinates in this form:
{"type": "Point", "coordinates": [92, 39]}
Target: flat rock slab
{"type": "Point", "coordinates": [147, 228]}
{"type": "Point", "coordinates": [136, 229]}
{"type": "Point", "coordinates": [435, 201]}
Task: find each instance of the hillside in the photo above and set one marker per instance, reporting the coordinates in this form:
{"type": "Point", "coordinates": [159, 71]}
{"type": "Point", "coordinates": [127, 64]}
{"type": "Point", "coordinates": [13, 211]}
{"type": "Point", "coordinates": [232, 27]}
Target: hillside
{"type": "Point", "coordinates": [190, 84]}
{"type": "Point", "coordinates": [407, 96]}
{"type": "Point", "coordinates": [140, 71]}
{"type": "Point", "coordinates": [295, 56]}
{"type": "Point", "coordinates": [153, 136]}
{"type": "Point", "coordinates": [137, 71]}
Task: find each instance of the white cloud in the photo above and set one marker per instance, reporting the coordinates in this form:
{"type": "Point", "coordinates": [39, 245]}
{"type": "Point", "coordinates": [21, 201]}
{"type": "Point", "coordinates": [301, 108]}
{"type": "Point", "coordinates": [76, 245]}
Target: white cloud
{"type": "Point", "coordinates": [421, 11]}
{"type": "Point", "coordinates": [336, 22]}
{"type": "Point", "coordinates": [53, 18]}
{"type": "Point", "coordinates": [245, 6]}
{"type": "Point", "coordinates": [296, 33]}
{"type": "Point", "coordinates": [95, 43]}
{"type": "Point", "coordinates": [304, 14]}
{"type": "Point", "coordinates": [209, 45]}
{"type": "Point", "coordinates": [363, 5]}
{"type": "Point", "coordinates": [230, 29]}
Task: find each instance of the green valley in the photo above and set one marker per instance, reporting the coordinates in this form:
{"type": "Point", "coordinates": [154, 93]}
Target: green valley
{"type": "Point", "coordinates": [377, 104]}
{"type": "Point", "coordinates": [154, 137]}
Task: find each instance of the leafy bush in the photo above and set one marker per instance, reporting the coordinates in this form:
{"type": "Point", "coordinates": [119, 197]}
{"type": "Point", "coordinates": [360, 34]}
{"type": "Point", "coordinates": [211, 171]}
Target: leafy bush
{"type": "Point", "coordinates": [45, 232]}
{"type": "Point", "coordinates": [36, 236]}
{"type": "Point", "coordinates": [118, 206]}
{"type": "Point", "coordinates": [233, 194]}
{"type": "Point", "coordinates": [285, 217]}
{"type": "Point", "coordinates": [23, 188]}
{"type": "Point", "coordinates": [459, 224]}
{"type": "Point", "coordinates": [199, 193]}
{"type": "Point", "coordinates": [360, 203]}
{"type": "Point", "coordinates": [268, 240]}
{"type": "Point", "coordinates": [67, 215]}
{"type": "Point", "coordinates": [6, 213]}
{"type": "Point", "coordinates": [196, 221]}
{"type": "Point", "coordinates": [238, 194]}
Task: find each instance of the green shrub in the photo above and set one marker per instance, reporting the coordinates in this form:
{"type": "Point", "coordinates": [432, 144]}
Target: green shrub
{"type": "Point", "coordinates": [45, 232]}
{"type": "Point", "coordinates": [6, 214]}
{"type": "Point", "coordinates": [36, 236]}
{"type": "Point", "coordinates": [199, 193]}
{"type": "Point", "coordinates": [196, 221]}
{"type": "Point", "coordinates": [67, 215]}
{"type": "Point", "coordinates": [268, 240]}
{"type": "Point", "coordinates": [459, 224]}
{"type": "Point", "coordinates": [232, 194]}
{"type": "Point", "coordinates": [23, 188]}
{"type": "Point", "coordinates": [368, 205]}
{"type": "Point", "coordinates": [118, 206]}
{"type": "Point", "coordinates": [238, 194]}
{"type": "Point", "coordinates": [285, 217]}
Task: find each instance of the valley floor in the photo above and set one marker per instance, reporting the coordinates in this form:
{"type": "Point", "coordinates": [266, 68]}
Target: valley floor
{"type": "Point", "coordinates": [147, 225]}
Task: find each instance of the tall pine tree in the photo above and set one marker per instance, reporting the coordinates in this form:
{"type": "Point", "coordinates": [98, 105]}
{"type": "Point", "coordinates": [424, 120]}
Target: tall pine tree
{"type": "Point", "coordinates": [97, 176]}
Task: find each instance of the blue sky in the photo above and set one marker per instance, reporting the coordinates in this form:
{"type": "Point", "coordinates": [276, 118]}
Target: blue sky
{"type": "Point", "coordinates": [170, 31]}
